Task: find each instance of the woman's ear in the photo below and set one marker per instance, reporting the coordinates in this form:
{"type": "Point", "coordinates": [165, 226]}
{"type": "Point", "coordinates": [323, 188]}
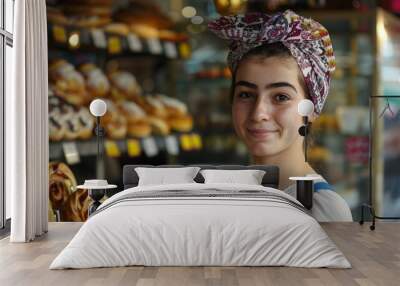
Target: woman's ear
{"type": "Point", "coordinates": [312, 117]}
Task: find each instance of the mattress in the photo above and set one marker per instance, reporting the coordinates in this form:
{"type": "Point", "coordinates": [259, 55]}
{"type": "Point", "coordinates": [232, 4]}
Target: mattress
{"type": "Point", "coordinates": [201, 225]}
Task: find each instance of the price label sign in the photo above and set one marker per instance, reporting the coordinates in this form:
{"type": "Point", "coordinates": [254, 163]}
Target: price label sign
{"type": "Point", "coordinates": [112, 149]}
{"type": "Point", "coordinates": [196, 141]}
{"type": "Point", "coordinates": [171, 144]}
{"type": "Point", "coordinates": [170, 50]}
{"type": "Point", "coordinates": [135, 45]}
{"type": "Point", "coordinates": [59, 34]}
{"type": "Point", "coordinates": [71, 153]}
{"type": "Point", "coordinates": [154, 46]}
{"type": "Point", "coordinates": [114, 45]}
{"type": "Point", "coordinates": [99, 38]}
{"type": "Point", "coordinates": [134, 149]}
{"type": "Point", "coordinates": [184, 50]}
{"type": "Point", "coordinates": [186, 142]}
{"type": "Point", "coordinates": [150, 147]}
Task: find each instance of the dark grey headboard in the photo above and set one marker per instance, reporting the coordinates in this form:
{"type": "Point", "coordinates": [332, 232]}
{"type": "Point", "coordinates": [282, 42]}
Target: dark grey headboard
{"type": "Point", "coordinates": [270, 179]}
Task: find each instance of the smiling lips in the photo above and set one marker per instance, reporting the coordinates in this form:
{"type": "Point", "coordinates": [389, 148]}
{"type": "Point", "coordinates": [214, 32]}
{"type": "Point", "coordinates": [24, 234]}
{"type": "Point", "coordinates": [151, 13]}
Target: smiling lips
{"type": "Point", "coordinates": [261, 133]}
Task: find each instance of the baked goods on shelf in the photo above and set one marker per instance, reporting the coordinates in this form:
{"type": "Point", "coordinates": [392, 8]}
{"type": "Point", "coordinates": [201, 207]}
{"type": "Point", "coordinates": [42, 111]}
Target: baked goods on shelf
{"type": "Point", "coordinates": [68, 83]}
{"type": "Point", "coordinates": [138, 123]}
{"type": "Point", "coordinates": [146, 20]}
{"type": "Point", "coordinates": [56, 127]}
{"type": "Point", "coordinates": [172, 105]}
{"type": "Point", "coordinates": [123, 85]}
{"type": "Point", "coordinates": [159, 126]}
{"type": "Point", "coordinates": [183, 123]}
{"type": "Point", "coordinates": [80, 14]}
{"type": "Point", "coordinates": [155, 107]}
{"type": "Point", "coordinates": [67, 122]}
{"type": "Point", "coordinates": [177, 114]}
{"type": "Point", "coordinates": [114, 122]}
{"type": "Point", "coordinates": [117, 28]}
{"type": "Point", "coordinates": [89, 2]}
{"type": "Point", "coordinates": [86, 121]}
{"type": "Point", "coordinates": [88, 15]}
{"type": "Point", "coordinates": [97, 83]}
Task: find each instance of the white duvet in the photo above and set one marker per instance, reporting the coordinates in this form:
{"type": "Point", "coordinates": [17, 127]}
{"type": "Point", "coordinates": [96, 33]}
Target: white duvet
{"type": "Point", "coordinates": [185, 231]}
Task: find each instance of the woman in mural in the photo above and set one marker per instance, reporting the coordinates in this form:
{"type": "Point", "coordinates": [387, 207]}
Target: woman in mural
{"type": "Point", "coordinates": [277, 61]}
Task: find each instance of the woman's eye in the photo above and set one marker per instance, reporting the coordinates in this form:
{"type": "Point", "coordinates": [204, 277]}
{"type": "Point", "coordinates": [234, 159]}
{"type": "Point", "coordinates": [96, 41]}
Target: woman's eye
{"type": "Point", "coordinates": [281, 97]}
{"type": "Point", "coordinates": [244, 95]}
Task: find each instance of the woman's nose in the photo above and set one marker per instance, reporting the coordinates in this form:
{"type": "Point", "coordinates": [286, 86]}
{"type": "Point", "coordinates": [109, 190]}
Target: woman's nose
{"type": "Point", "coordinates": [261, 110]}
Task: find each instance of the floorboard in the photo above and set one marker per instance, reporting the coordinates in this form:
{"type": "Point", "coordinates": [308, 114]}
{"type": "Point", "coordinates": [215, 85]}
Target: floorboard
{"type": "Point", "coordinates": [374, 255]}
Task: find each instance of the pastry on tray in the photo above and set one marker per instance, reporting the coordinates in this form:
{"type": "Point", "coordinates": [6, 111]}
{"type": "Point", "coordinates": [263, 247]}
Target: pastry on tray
{"type": "Point", "coordinates": [146, 20]}
{"type": "Point", "coordinates": [68, 83]}
{"type": "Point", "coordinates": [154, 107]}
{"type": "Point", "coordinates": [117, 28]}
{"type": "Point", "coordinates": [138, 123]}
{"type": "Point", "coordinates": [178, 117]}
{"type": "Point", "coordinates": [182, 123]}
{"type": "Point", "coordinates": [123, 85]}
{"type": "Point", "coordinates": [114, 122]}
{"type": "Point", "coordinates": [97, 83]}
{"type": "Point", "coordinates": [159, 126]}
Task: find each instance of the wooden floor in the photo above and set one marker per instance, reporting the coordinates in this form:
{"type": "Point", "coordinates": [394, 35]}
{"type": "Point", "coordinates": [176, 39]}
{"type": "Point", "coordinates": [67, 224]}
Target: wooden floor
{"type": "Point", "coordinates": [374, 255]}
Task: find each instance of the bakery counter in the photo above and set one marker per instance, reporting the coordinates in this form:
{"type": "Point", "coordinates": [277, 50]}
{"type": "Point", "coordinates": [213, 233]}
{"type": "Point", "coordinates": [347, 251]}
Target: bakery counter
{"type": "Point", "coordinates": [132, 147]}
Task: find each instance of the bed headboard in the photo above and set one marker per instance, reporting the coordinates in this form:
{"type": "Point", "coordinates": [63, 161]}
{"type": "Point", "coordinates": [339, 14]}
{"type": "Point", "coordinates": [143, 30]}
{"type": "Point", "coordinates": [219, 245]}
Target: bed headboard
{"type": "Point", "coordinates": [270, 179]}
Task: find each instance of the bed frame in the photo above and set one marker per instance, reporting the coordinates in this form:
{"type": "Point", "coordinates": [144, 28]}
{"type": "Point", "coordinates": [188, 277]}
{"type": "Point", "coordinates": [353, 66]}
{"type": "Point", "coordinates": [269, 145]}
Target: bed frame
{"type": "Point", "coordinates": [270, 179]}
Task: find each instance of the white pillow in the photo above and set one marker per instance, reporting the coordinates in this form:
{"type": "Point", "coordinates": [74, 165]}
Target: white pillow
{"type": "Point", "coordinates": [163, 176]}
{"type": "Point", "coordinates": [248, 177]}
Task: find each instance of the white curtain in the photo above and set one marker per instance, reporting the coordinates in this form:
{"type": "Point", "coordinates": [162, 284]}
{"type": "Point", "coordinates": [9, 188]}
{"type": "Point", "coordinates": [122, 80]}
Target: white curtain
{"type": "Point", "coordinates": [27, 150]}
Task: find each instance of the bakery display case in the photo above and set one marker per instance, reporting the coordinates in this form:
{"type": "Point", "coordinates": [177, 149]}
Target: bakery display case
{"type": "Point", "coordinates": [121, 52]}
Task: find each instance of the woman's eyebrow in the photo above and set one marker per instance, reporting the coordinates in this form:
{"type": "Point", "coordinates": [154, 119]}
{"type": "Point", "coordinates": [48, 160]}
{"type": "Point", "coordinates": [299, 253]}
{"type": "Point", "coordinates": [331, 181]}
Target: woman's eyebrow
{"type": "Point", "coordinates": [246, 84]}
{"type": "Point", "coordinates": [280, 84]}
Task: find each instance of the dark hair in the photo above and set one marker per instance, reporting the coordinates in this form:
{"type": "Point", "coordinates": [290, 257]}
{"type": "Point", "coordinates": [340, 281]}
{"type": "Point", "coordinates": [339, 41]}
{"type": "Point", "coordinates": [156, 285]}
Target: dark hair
{"type": "Point", "coordinates": [263, 52]}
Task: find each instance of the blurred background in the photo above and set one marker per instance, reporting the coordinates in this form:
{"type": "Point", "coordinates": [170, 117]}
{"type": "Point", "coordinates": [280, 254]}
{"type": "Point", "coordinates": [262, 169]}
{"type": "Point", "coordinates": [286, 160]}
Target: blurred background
{"type": "Point", "coordinates": [166, 83]}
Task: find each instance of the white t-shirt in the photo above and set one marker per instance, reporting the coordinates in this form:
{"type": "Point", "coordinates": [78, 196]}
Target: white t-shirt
{"type": "Point", "coordinates": [327, 204]}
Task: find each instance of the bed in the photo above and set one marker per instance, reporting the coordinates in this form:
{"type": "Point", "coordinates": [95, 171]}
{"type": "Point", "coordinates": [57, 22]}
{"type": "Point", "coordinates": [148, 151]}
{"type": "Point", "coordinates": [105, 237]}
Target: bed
{"type": "Point", "coordinates": [201, 223]}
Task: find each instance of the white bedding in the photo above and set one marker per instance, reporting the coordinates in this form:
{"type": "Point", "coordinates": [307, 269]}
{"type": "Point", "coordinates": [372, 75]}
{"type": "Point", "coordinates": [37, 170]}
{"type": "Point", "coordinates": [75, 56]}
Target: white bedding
{"type": "Point", "coordinates": [183, 231]}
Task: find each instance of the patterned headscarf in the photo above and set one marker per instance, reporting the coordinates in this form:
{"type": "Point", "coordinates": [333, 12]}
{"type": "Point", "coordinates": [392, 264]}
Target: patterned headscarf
{"type": "Point", "coordinates": [307, 40]}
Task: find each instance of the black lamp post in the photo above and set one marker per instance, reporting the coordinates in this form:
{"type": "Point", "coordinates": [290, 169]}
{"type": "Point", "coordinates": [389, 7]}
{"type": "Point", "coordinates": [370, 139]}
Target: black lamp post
{"type": "Point", "coordinates": [98, 108]}
{"type": "Point", "coordinates": [305, 186]}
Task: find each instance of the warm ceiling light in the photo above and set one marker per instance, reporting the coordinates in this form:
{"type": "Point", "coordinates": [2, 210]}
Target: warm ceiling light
{"type": "Point", "coordinates": [189, 12]}
{"type": "Point", "coordinates": [229, 7]}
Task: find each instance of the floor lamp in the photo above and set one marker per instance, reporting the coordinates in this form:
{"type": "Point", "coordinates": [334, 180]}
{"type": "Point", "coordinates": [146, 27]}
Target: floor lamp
{"type": "Point", "coordinates": [98, 108]}
{"type": "Point", "coordinates": [305, 185]}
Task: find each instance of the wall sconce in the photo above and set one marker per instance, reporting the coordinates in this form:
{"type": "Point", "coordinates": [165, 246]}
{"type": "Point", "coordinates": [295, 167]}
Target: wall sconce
{"type": "Point", "coordinates": [305, 108]}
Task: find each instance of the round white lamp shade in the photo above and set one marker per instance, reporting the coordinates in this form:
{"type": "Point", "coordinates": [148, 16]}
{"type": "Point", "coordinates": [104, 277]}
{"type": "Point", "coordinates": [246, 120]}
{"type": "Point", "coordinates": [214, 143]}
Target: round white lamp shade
{"type": "Point", "coordinates": [98, 107]}
{"type": "Point", "coordinates": [305, 107]}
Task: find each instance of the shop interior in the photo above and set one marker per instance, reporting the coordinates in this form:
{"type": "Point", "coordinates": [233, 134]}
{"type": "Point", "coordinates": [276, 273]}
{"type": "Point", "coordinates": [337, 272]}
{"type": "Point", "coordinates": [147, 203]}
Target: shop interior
{"type": "Point", "coordinates": [166, 83]}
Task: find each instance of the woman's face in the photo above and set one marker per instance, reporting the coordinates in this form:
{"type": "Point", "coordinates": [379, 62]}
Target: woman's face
{"type": "Point", "coordinates": [264, 107]}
